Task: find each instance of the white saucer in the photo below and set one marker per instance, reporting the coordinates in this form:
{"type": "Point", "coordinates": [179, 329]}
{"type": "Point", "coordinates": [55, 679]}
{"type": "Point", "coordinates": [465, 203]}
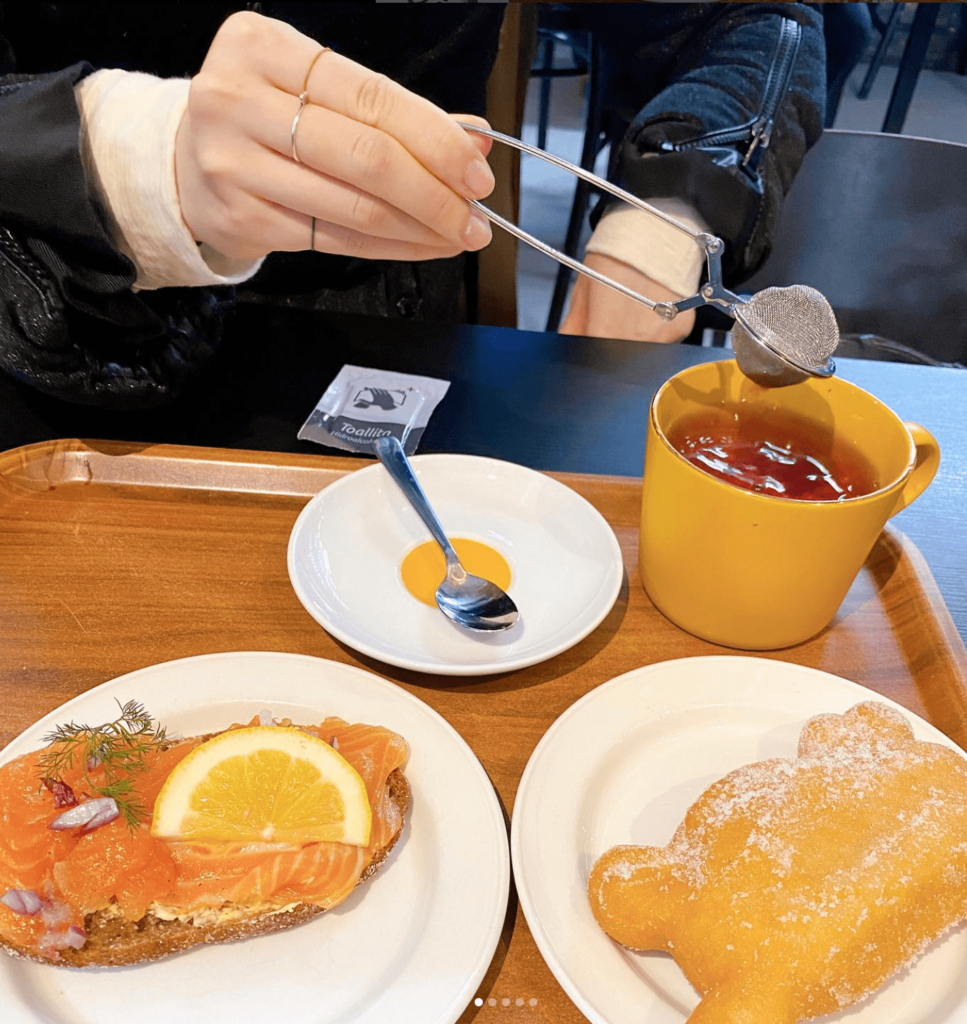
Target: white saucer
{"type": "Point", "coordinates": [621, 766]}
{"type": "Point", "coordinates": [346, 548]}
{"type": "Point", "coordinates": [410, 946]}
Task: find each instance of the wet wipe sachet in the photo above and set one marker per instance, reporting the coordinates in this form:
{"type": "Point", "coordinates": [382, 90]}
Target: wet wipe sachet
{"type": "Point", "coordinates": [363, 404]}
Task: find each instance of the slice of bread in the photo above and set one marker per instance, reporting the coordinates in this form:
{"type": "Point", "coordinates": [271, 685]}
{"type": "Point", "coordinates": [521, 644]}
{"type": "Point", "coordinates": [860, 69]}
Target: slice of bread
{"type": "Point", "coordinates": [114, 941]}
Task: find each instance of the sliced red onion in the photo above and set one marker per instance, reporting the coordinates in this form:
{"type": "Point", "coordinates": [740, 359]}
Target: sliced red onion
{"type": "Point", "coordinates": [104, 817]}
{"type": "Point", "coordinates": [265, 717]}
{"type": "Point", "coordinates": [73, 938]}
{"type": "Point", "coordinates": [88, 815]}
{"type": "Point", "coordinates": [59, 933]}
{"type": "Point", "coordinates": [55, 915]}
{"type": "Point", "coordinates": [22, 901]}
{"type": "Point", "coordinates": [334, 742]}
{"type": "Point", "coordinates": [92, 763]}
{"type": "Point", "coordinates": [63, 794]}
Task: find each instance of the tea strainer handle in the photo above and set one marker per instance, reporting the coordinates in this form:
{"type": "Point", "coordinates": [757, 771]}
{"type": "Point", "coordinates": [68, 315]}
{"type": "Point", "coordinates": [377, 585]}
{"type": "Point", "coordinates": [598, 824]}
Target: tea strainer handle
{"type": "Point", "coordinates": [712, 291]}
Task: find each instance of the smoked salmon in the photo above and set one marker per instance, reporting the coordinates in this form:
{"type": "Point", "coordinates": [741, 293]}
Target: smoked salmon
{"type": "Point", "coordinates": [124, 872]}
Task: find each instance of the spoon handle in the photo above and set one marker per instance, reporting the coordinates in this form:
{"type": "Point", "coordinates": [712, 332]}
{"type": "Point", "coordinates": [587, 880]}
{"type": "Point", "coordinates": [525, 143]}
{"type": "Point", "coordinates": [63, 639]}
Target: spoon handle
{"type": "Point", "coordinates": [392, 456]}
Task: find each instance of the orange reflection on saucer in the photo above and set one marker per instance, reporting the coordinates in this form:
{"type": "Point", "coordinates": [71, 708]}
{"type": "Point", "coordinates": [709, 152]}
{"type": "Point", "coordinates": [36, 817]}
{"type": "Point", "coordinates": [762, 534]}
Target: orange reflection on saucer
{"type": "Point", "coordinates": [424, 568]}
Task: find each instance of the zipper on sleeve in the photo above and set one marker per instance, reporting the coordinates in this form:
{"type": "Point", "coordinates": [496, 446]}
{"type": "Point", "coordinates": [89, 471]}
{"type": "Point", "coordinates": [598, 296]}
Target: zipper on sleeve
{"type": "Point", "coordinates": [758, 130]}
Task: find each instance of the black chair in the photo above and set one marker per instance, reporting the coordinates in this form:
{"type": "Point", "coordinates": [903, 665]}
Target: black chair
{"type": "Point", "coordinates": [878, 223]}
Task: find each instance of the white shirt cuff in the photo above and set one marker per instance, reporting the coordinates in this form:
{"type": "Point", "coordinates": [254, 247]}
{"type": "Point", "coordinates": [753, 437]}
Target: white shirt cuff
{"type": "Point", "coordinates": [650, 245]}
{"type": "Point", "coordinates": [129, 122]}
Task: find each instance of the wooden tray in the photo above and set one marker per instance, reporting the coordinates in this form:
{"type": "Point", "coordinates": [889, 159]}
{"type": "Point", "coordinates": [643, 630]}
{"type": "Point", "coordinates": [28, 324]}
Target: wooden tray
{"type": "Point", "coordinates": [116, 556]}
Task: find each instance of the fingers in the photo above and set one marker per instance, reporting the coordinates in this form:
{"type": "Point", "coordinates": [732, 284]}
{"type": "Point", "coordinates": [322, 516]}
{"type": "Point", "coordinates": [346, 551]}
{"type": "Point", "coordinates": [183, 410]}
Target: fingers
{"type": "Point", "coordinates": [334, 238]}
{"type": "Point", "coordinates": [384, 172]}
{"type": "Point", "coordinates": [338, 240]}
{"type": "Point", "coordinates": [281, 53]}
{"type": "Point", "coordinates": [345, 87]}
{"type": "Point", "coordinates": [423, 129]}
{"type": "Point", "coordinates": [286, 55]}
{"type": "Point", "coordinates": [330, 198]}
{"type": "Point", "coordinates": [482, 142]}
{"type": "Point", "coordinates": [280, 229]}
{"type": "Point", "coordinates": [374, 163]}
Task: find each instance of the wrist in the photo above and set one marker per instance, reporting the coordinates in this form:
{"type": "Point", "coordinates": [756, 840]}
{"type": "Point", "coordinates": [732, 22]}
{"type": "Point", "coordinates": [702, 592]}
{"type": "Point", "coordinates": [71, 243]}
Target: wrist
{"type": "Point", "coordinates": [660, 251]}
{"type": "Point", "coordinates": [130, 123]}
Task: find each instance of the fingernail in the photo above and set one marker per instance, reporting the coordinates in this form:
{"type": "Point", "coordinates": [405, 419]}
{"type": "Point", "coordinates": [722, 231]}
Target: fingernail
{"type": "Point", "coordinates": [479, 179]}
{"type": "Point", "coordinates": [477, 232]}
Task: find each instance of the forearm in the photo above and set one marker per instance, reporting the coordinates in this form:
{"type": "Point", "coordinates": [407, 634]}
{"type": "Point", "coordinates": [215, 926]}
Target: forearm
{"type": "Point", "coordinates": [723, 77]}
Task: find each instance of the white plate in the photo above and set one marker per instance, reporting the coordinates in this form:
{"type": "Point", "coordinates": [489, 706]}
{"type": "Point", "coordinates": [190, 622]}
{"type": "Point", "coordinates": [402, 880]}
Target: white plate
{"type": "Point", "coordinates": [621, 766]}
{"type": "Point", "coordinates": [411, 945]}
{"type": "Point", "coordinates": [346, 548]}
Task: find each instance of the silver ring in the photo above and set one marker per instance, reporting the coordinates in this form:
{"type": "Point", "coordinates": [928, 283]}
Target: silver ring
{"type": "Point", "coordinates": [303, 100]}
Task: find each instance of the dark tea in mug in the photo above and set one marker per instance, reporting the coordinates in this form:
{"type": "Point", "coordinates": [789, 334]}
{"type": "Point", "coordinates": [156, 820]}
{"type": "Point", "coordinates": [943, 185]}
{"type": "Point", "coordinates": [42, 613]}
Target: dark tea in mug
{"type": "Point", "coordinates": [772, 452]}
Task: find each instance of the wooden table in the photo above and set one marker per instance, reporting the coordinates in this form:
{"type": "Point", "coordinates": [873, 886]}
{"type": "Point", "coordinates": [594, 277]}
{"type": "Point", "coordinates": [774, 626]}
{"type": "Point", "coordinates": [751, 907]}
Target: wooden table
{"type": "Point", "coordinates": [113, 557]}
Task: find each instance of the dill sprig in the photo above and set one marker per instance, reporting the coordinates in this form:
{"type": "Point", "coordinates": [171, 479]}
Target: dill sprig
{"type": "Point", "coordinates": [119, 747]}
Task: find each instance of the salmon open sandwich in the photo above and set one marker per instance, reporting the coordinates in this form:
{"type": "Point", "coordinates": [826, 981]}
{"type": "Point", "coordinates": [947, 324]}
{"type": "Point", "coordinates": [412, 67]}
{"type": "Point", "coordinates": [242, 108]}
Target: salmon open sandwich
{"type": "Point", "coordinates": [119, 844]}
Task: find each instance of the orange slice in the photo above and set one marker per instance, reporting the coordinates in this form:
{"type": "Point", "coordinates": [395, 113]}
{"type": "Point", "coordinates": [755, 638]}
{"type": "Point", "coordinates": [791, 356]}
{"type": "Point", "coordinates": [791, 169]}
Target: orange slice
{"type": "Point", "coordinates": [269, 784]}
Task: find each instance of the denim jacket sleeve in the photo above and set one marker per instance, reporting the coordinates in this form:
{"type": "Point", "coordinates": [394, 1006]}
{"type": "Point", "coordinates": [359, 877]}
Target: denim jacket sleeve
{"type": "Point", "coordinates": [737, 96]}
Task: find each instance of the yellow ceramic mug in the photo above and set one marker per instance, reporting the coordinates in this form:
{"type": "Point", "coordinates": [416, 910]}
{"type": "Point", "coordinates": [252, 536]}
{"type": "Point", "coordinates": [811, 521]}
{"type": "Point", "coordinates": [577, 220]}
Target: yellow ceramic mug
{"type": "Point", "coordinates": [755, 571]}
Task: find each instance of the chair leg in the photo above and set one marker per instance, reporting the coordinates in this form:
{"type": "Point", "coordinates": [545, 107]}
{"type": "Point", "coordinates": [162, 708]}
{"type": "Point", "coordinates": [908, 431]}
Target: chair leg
{"type": "Point", "coordinates": [910, 64]}
{"type": "Point", "coordinates": [889, 31]}
{"type": "Point", "coordinates": [962, 55]}
{"type": "Point", "coordinates": [547, 60]}
{"type": "Point", "coordinates": [582, 190]}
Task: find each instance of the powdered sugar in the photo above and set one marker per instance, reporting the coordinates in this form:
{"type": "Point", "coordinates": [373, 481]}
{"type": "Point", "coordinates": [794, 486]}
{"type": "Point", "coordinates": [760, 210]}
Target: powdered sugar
{"type": "Point", "coordinates": [825, 873]}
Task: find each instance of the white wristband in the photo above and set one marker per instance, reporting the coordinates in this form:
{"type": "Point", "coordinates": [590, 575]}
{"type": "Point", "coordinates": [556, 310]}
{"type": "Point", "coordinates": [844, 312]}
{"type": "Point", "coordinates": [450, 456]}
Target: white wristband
{"type": "Point", "coordinates": [650, 245]}
{"type": "Point", "coordinates": [129, 122]}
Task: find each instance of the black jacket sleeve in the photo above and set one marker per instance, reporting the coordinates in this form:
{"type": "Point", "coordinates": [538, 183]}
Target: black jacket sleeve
{"type": "Point", "coordinates": [737, 96]}
{"type": "Point", "coordinates": [70, 324]}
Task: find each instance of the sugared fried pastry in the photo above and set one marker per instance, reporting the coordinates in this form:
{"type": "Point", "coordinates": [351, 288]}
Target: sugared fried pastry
{"type": "Point", "coordinates": [795, 887]}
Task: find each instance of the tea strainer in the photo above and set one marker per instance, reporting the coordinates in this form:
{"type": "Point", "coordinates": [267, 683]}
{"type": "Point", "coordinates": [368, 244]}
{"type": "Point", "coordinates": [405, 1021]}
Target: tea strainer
{"type": "Point", "coordinates": [781, 335]}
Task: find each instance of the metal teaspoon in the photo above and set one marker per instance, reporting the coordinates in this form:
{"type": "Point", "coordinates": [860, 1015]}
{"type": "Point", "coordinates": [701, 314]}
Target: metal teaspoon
{"type": "Point", "coordinates": [468, 600]}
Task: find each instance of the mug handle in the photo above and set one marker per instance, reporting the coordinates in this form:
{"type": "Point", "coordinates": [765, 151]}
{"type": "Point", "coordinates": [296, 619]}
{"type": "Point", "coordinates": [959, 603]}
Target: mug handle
{"type": "Point", "coordinates": [928, 459]}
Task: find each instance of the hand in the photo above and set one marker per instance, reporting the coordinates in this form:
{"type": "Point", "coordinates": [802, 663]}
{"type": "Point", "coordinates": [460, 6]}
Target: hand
{"type": "Point", "coordinates": [598, 311]}
{"type": "Point", "coordinates": [384, 172]}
